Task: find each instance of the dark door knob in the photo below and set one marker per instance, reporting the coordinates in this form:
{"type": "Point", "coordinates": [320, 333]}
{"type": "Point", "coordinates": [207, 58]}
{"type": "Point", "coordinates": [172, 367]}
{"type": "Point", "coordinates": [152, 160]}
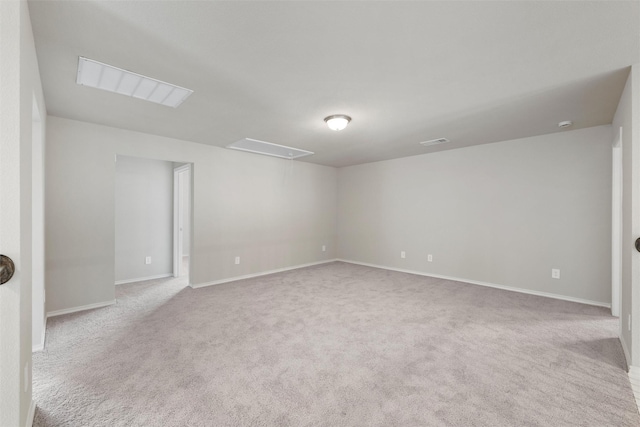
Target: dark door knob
{"type": "Point", "coordinates": [638, 244]}
{"type": "Point", "coordinates": [6, 269]}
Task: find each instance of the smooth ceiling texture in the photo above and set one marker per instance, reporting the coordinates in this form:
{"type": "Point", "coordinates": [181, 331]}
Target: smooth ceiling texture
{"type": "Point", "coordinates": [406, 72]}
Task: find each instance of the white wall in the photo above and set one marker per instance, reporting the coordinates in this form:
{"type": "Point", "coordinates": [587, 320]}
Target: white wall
{"type": "Point", "coordinates": [271, 213]}
{"type": "Point", "coordinates": [143, 218]}
{"type": "Point", "coordinates": [627, 116]}
{"type": "Point", "coordinates": [19, 86]}
{"type": "Point", "coordinates": [504, 213]}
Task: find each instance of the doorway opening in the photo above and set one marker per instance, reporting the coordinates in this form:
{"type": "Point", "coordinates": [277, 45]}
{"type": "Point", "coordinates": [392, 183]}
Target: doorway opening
{"type": "Point", "coordinates": [144, 219]}
{"type": "Point", "coordinates": [182, 219]}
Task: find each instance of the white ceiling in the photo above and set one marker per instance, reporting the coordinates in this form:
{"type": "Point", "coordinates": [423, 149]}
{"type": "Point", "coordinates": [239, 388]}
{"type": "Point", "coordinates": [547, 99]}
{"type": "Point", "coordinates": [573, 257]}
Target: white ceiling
{"type": "Point", "coordinates": [474, 72]}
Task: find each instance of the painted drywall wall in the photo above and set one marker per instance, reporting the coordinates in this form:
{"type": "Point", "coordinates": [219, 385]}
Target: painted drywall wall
{"type": "Point", "coordinates": [504, 213]}
{"type": "Point", "coordinates": [19, 86]}
{"type": "Point", "coordinates": [143, 218]}
{"type": "Point", "coordinates": [628, 119]}
{"type": "Point", "coordinates": [270, 212]}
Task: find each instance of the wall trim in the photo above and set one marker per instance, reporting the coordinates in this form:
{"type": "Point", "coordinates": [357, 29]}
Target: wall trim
{"type": "Point", "coordinates": [40, 345]}
{"type": "Point", "coordinates": [263, 273]}
{"type": "Point", "coordinates": [80, 308]}
{"type": "Point", "coordinates": [142, 279]}
{"type": "Point", "coordinates": [487, 284]}
{"type": "Point", "coordinates": [31, 414]}
{"type": "Point", "coordinates": [634, 378]}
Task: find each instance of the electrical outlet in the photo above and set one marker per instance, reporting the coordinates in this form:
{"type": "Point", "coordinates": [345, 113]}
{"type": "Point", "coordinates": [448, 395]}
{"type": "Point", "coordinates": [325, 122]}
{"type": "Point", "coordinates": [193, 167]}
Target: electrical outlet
{"type": "Point", "coordinates": [555, 273]}
{"type": "Point", "coordinates": [237, 260]}
{"type": "Point", "coordinates": [324, 248]}
{"type": "Point", "coordinates": [430, 258]}
{"type": "Point", "coordinates": [403, 254]}
{"type": "Point", "coordinates": [147, 260]}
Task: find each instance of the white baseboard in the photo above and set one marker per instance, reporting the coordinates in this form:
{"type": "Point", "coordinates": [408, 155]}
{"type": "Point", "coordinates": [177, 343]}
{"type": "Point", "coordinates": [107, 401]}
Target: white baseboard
{"type": "Point", "coordinates": [31, 414]}
{"type": "Point", "coordinates": [81, 308]}
{"type": "Point", "coordinates": [142, 279]}
{"type": "Point", "coordinates": [490, 285]}
{"type": "Point", "coordinates": [634, 378]}
{"type": "Point", "coordinates": [263, 273]}
{"type": "Point", "coordinates": [40, 345]}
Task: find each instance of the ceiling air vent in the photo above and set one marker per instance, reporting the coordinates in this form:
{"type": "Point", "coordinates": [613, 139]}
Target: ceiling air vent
{"type": "Point", "coordinates": [435, 142]}
{"type": "Point", "coordinates": [113, 79]}
{"type": "Point", "coordinates": [268, 149]}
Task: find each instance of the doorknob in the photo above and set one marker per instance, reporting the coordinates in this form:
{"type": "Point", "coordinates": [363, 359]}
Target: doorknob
{"type": "Point", "coordinates": [6, 269]}
{"type": "Point", "coordinates": [638, 244]}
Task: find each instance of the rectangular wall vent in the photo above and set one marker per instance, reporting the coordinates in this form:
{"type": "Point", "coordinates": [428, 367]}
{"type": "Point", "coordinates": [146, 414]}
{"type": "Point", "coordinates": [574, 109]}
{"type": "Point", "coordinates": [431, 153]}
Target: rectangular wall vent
{"type": "Point", "coordinates": [268, 149]}
{"type": "Point", "coordinates": [434, 142]}
{"type": "Point", "coordinates": [112, 79]}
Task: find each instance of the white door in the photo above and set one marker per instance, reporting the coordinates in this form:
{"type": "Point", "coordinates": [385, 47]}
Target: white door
{"type": "Point", "coordinates": [15, 222]}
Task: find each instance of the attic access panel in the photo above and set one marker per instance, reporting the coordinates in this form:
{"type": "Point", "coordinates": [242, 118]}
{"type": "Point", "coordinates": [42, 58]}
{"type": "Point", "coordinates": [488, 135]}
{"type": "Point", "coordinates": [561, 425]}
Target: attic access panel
{"type": "Point", "coordinates": [268, 149]}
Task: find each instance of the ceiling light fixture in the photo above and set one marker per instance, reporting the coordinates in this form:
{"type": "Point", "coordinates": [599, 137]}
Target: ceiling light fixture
{"type": "Point", "coordinates": [112, 79]}
{"type": "Point", "coordinates": [565, 124]}
{"type": "Point", "coordinates": [337, 121]}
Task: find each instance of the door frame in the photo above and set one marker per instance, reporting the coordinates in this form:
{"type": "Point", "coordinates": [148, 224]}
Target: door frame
{"type": "Point", "coordinates": [616, 225]}
{"type": "Point", "coordinates": [38, 294]}
{"type": "Point", "coordinates": [178, 249]}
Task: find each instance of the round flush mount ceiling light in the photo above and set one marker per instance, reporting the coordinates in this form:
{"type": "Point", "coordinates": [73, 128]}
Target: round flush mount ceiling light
{"type": "Point", "coordinates": [565, 124]}
{"type": "Point", "coordinates": [337, 121]}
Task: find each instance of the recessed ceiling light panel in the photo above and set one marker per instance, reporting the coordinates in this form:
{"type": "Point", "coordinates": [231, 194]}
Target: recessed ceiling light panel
{"type": "Point", "coordinates": [113, 79]}
{"type": "Point", "coordinates": [565, 124]}
{"type": "Point", "coordinates": [434, 142]}
{"type": "Point", "coordinates": [268, 149]}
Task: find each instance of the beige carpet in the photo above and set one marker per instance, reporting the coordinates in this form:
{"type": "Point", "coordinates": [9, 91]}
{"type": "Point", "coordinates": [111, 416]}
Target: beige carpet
{"type": "Point", "coordinates": [332, 345]}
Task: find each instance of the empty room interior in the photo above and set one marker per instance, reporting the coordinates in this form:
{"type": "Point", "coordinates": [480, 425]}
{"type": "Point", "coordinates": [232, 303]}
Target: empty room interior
{"type": "Point", "coordinates": [350, 213]}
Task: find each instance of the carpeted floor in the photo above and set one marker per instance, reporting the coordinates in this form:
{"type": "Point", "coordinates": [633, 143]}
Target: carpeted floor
{"type": "Point", "coordinates": [332, 345]}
